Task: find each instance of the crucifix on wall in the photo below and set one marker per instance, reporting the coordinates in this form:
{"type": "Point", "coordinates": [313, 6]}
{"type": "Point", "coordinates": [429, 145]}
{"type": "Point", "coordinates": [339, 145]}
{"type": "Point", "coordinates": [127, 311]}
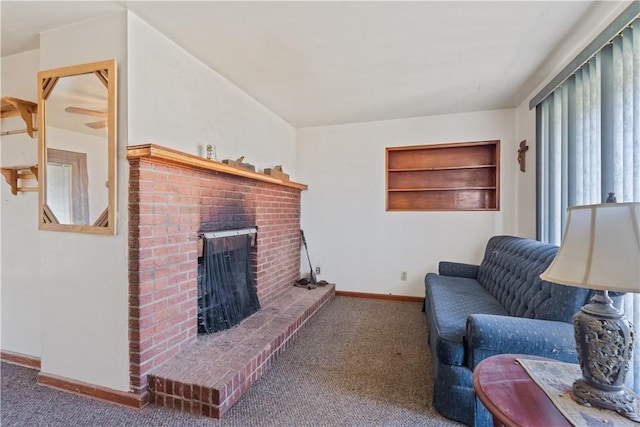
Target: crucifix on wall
{"type": "Point", "coordinates": [522, 153]}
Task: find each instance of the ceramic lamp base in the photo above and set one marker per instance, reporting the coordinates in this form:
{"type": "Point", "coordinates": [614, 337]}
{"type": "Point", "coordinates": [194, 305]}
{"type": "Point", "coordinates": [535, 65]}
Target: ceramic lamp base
{"type": "Point", "coordinates": [623, 401]}
{"type": "Point", "coordinates": [604, 340]}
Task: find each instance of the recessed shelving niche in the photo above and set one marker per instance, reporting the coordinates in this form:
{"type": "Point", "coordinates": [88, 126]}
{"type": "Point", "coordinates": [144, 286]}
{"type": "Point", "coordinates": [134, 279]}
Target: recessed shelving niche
{"type": "Point", "coordinates": [444, 177]}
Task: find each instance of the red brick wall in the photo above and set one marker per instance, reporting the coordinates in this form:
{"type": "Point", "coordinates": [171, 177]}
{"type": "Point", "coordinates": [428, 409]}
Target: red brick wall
{"type": "Point", "coordinates": [168, 206]}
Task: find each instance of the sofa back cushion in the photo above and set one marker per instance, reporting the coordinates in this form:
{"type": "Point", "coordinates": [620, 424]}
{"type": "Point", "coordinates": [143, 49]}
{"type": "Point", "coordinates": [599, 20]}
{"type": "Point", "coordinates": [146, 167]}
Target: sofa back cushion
{"type": "Point", "coordinates": [511, 270]}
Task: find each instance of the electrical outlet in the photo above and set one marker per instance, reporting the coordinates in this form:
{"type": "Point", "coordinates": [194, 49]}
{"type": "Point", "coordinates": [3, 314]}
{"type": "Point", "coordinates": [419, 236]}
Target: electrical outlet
{"type": "Point", "coordinates": [317, 270]}
{"type": "Point", "coordinates": [403, 275]}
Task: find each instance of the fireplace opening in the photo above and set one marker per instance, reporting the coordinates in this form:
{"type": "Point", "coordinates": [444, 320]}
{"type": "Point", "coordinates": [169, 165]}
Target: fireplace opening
{"type": "Point", "coordinates": [226, 289]}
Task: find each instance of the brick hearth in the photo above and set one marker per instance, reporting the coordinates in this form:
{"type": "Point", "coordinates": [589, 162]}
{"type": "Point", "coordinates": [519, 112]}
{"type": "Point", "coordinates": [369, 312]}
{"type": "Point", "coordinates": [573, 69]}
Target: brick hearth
{"type": "Point", "coordinates": [211, 375]}
{"type": "Point", "coordinates": [174, 196]}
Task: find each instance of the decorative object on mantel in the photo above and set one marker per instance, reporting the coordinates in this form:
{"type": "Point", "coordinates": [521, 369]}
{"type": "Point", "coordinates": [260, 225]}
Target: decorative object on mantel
{"type": "Point", "coordinates": [211, 152]}
{"type": "Point", "coordinates": [276, 172]}
{"type": "Point", "coordinates": [522, 155]}
{"type": "Point", "coordinates": [11, 107]}
{"type": "Point", "coordinates": [600, 251]}
{"type": "Point", "coordinates": [12, 174]}
{"type": "Point", "coordinates": [611, 198]}
{"type": "Point", "coordinates": [239, 163]}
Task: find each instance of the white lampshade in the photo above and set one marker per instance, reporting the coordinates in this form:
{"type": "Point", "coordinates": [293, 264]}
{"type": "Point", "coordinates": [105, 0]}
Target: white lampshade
{"type": "Point", "coordinates": [600, 248]}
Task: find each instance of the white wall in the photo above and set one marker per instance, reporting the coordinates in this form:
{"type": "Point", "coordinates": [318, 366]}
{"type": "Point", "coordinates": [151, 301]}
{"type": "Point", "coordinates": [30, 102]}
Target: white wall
{"type": "Point", "coordinates": [178, 102]}
{"type": "Point", "coordinates": [83, 277]}
{"type": "Point", "coordinates": [363, 248]}
{"type": "Point", "coordinates": [20, 260]}
{"type": "Point", "coordinates": [526, 181]}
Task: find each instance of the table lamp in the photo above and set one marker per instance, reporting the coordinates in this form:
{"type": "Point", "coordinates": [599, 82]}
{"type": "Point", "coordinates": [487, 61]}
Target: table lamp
{"type": "Point", "coordinates": [600, 250]}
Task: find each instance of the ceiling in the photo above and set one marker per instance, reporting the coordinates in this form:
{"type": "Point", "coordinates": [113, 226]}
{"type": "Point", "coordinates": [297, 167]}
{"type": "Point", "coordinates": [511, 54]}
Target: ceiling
{"type": "Point", "coordinates": [330, 62]}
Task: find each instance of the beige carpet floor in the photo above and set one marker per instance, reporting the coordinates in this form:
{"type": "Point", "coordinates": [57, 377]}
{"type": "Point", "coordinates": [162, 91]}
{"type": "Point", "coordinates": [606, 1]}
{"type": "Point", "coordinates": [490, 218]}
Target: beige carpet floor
{"type": "Point", "coordinates": [361, 362]}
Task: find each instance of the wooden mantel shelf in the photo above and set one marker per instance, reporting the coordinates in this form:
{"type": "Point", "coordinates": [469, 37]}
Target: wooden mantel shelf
{"type": "Point", "coordinates": [170, 156]}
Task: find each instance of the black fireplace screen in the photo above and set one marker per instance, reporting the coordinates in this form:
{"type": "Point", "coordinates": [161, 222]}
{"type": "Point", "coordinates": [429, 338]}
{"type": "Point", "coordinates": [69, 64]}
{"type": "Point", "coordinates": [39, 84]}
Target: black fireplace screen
{"type": "Point", "coordinates": [226, 290]}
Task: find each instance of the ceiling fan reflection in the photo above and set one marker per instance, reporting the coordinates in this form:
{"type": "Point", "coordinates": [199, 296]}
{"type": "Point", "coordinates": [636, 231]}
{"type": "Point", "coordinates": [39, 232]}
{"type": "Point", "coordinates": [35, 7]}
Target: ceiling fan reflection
{"type": "Point", "coordinates": [93, 125]}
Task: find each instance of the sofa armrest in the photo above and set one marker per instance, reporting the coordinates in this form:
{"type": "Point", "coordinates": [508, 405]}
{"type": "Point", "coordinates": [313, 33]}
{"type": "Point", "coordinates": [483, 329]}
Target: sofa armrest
{"type": "Point", "coordinates": [489, 335]}
{"type": "Point", "coordinates": [458, 269]}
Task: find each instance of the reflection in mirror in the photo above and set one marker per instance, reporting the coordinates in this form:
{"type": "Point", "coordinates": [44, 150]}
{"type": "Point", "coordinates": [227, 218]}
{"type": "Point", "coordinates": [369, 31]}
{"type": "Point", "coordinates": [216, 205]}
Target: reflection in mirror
{"type": "Point", "coordinates": [77, 144]}
{"type": "Point", "coordinates": [67, 178]}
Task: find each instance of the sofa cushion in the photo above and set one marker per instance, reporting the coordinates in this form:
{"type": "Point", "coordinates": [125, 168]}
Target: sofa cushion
{"type": "Point", "coordinates": [511, 270]}
{"type": "Point", "coordinates": [455, 299]}
{"type": "Point", "coordinates": [559, 302]}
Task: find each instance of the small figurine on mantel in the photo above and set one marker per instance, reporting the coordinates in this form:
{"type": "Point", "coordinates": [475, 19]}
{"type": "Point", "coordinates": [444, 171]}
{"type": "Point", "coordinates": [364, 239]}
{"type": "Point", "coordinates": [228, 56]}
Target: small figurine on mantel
{"type": "Point", "coordinates": [211, 152]}
{"type": "Point", "coordinates": [277, 172]}
{"type": "Point", "coordinates": [239, 163]}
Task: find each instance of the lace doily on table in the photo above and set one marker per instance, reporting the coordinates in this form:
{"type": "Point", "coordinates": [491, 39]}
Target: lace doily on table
{"type": "Point", "coordinates": [556, 380]}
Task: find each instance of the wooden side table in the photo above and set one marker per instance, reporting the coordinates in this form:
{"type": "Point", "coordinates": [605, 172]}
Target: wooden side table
{"type": "Point", "coordinates": [511, 396]}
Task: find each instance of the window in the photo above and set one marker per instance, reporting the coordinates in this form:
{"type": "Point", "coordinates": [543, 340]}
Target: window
{"type": "Point", "coordinates": [588, 143]}
{"type": "Point", "coordinates": [588, 135]}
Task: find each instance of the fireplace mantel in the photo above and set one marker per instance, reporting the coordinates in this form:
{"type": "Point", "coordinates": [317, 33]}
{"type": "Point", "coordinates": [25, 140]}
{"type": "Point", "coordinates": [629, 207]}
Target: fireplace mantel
{"type": "Point", "coordinates": [159, 154]}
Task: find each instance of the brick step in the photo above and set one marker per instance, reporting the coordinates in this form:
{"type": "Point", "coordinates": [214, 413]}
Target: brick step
{"type": "Point", "coordinates": [209, 377]}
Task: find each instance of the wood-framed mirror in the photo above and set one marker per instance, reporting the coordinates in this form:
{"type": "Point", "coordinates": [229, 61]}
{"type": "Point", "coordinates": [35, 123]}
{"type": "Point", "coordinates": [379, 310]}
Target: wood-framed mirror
{"type": "Point", "coordinates": [77, 145]}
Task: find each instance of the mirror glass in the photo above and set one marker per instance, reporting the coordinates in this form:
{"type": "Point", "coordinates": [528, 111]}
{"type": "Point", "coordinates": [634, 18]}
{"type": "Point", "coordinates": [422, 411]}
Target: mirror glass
{"type": "Point", "coordinates": [77, 144]}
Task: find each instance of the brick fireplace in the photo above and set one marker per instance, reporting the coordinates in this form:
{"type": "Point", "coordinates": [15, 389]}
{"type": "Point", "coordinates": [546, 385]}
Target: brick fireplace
{"type": "Point", "coordinates": [173, 197]}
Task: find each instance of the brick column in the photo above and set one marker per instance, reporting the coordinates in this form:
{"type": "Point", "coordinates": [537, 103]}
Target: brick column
{"type": "Point", "coordinates": [164, 218]}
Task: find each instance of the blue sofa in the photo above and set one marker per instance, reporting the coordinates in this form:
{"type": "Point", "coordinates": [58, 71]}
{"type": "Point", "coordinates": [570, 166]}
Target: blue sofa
{"type": "Point", "coordinates": [501, 306]}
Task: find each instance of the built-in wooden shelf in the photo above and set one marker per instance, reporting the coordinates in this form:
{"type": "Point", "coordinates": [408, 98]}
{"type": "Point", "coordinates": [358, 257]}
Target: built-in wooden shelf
{"type": "Point", "coordinates": [441, 189]}
{"type": "Point", "coordinates": [461, 176]}
{"type": "Point", "coordinates": [14, 175]}
{"type": "Point", "coordinates": [11, 107]}
{"type": "Point", "coordinates": [165, 155]}
{"type": "Point", "coordinates": [441, 168]}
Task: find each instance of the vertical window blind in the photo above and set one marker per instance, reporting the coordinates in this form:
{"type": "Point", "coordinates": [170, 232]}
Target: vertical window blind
{"type": "Point", "coordinates": [588, 133]}
{"type": "Point", "coordinates": [588, 145]}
